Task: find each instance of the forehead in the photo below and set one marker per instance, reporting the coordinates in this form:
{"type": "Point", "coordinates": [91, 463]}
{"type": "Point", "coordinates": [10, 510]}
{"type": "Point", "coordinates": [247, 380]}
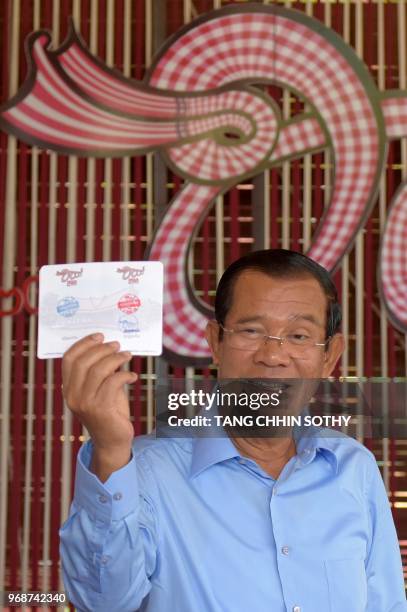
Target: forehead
{"type": "Point", "coordinates": [257, 294]}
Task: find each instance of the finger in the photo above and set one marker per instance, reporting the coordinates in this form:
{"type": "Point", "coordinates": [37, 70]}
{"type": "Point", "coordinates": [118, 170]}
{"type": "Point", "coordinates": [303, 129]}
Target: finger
{"type": "Point", "coordinates": [100, 371]}
{"type": "Point", "coordinates": [75, 377]}
{"type": "Point", "coordinates": [76, 350]}
{"type": "Point", "coordinates": [112, 385]}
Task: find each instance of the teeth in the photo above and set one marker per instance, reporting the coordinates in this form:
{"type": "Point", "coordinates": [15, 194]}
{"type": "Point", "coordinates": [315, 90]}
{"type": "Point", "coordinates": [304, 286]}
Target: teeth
{"type": "Point", "coordinates": [276, 387]}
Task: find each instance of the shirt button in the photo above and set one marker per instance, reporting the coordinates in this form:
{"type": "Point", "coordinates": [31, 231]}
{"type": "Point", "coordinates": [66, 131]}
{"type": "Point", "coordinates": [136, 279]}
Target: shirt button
{"type": "Point", "coordinates": [296, 609]}
{"type": "Point", "coordinates": [104, 559]}
{"type": "Point", "coordinates": [117, 496]}
{"type": "Point", "coordinates": [285, 550]}
{"type": "Point", "coordinates": [102, 499]}
{"type": "Point", "coordinates": [274, 492]}
{"type": "Point", "coordinates": [242, 461]}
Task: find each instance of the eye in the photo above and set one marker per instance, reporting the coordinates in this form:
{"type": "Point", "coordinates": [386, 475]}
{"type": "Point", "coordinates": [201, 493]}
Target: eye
{"type": "Point", "coordinates": [298, 338]}
{"type": "Point", "coordinates": [249, 332]}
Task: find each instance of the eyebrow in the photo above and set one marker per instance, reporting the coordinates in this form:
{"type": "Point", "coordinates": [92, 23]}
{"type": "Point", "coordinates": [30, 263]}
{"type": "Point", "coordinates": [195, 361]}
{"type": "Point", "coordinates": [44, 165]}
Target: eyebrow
{"type": "Point", "coordinates": [254, 319]}
{"type": "Point", "coordinates": [306, 317]}
{"type": "Point", "coordinates": [301, 316]}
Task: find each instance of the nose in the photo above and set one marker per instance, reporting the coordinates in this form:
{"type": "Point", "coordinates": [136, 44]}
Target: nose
{"type": "Point", "coordinates": [272, 352]}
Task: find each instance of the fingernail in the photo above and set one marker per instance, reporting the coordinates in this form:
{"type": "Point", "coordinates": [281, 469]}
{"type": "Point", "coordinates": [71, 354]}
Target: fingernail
{"type": "Point", "coordinates": [97, 337]}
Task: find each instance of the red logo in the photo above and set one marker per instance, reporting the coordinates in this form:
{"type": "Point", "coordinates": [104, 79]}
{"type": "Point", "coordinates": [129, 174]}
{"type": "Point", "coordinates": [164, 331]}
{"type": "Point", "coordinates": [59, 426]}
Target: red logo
{"type": "Point", "coordinates": [69, 276]}
{"type": "Point", "coordinates": [129, 303]}
{"type": "Point", "coordinates": [131, 274]}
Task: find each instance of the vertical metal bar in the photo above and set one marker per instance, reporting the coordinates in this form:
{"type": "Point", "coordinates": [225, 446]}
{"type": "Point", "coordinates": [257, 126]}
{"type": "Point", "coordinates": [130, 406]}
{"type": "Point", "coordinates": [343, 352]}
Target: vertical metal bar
{"type": "Point", "coordinates": [149, 206]}
{"type": "Point", "coordinates": [382, 219]}
{"type": "Point", "coordinates": [38, 455]}
{"type": "Point", "coordinates": [187, 6]}
{"type": "Point", "coordinates": [67, 415]}
{"type": "Point", "coordinates": [7, 281]}
{"type": "Point", "coordinates": [17, 396]}
{"type": "Point", "coordinates": [90, 209]}
{"type": "Point", "coordinates": [286, 177]}
{"type": "Point", "coordinates": [328, 14]}
{"type": "Point", "coordinates": [52, 212]}
{"type": "Point", "coordinates": [107, 200]}
{"type": "Point", "coordinates": [266, 209]}
{"type": "Point", "coordinates": [359, 254]}
{"type": "Point", "coordinates": [126, 161]}
{"type": "Point", "coordinates": [91, 163]}
{"type": "Point", "coordinates": [219, 215]}
{"type": "Point", "coordinates": [159, 20]}
{"type": "Point", "coordinates": [307, 181]}
{"type": "Point", "coordinates": [189, 371]}
{"type": "Point", "coordinates": [345, 261]}
{"type": "Point", "coordinates": [91, 167]}
{"type": "Point", "coordinates": [391, 60]}
{"type": "Point", "coordinates": [383, 187]}
{"type": "Point", "coordinates": [286, 174]}
{"type": "Point", "coordinates": [370, 264]}
{"type": "Point", "coordinates": [346, 21]}
{"type": "Point", "coordinates": [402, 74]}
{"type": "Point", "coordinates": [260, 204]}
{"type": "Point", "coordinates": [327, 164]}
{"type": "Point", "coordinates": [137, 228]}
{"type": "Point", "coordinates": [359, 251]}
{"type": "Point", "coordinates": [31, 354]}
{"type": "Point", "coordinates": [125, 225]}
{"type": "Point", "coordinates": [220, 238]}
{"type": "Point", "coordinates": [31, 377]}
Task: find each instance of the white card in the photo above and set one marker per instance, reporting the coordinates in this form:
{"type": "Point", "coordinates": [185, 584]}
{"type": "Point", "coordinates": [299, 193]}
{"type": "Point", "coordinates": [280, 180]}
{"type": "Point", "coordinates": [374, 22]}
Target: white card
{"type": "Point", "coordinates": [123, 300]}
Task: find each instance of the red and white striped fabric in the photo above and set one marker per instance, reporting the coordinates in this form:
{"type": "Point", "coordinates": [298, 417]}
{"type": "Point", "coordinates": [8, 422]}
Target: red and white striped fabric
{"type": "Point", "coordinates": [184, 324]}
{"type": "Point", "coordinates": [55, 115]}
{"type": "Point", "coordinates": [395, 115]}
{"type": "Point", "coordinates": [271, 46]}
{"type": "Point", "coordinates": [295, 138]}
{"type": "Point", "coordinates": [393, 260]}
{"type": "Point", "coordinates": [77, 106]}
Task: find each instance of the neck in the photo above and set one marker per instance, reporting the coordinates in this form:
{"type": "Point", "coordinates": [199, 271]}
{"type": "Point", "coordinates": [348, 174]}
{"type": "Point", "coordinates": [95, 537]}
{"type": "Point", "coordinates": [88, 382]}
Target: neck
{"type": "Point", "coordinates": [271, 454]}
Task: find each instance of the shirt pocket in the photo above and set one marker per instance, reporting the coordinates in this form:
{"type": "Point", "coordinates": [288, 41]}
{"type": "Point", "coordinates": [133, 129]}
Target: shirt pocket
{"type": "Point", "coordinates": [347, 585]}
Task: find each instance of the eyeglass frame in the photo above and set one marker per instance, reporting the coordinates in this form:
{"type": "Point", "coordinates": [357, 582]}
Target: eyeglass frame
{"type": "Point", "coordinates": [267, 337]}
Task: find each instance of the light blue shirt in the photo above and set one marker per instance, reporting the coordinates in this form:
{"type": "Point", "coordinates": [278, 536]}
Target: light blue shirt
{"type": "Point", "coordinates": [189, 525]}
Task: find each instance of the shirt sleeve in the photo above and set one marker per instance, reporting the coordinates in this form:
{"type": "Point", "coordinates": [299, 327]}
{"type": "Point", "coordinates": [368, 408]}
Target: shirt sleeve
{"type": "Point", "coordinates": [109, 542]}
{"type": "Point", "coordinates": [384, 571]}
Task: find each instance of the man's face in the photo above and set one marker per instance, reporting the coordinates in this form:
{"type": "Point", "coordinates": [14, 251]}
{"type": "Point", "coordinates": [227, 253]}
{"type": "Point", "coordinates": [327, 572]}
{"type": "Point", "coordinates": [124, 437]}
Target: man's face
{"type": "Point", "coordinates": [274, 306]}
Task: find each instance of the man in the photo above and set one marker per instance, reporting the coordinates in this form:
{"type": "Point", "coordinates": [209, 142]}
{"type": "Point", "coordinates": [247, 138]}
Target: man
{"type": "Point", "coordinates": [230, 524]}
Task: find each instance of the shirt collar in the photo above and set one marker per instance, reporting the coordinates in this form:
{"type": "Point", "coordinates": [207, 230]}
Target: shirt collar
{"type": "Point", "coordinates": [313, 440]}
{"type": "Point", "coordinates": [208, 451]}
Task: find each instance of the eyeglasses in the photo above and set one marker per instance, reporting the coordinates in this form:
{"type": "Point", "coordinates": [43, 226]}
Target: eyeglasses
{"type": "Point", "coordinates": [249, 339]}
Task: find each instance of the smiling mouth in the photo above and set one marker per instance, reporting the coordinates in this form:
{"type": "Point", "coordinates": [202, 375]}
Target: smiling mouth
{"type": "Point", "coordinates": [267, 385]}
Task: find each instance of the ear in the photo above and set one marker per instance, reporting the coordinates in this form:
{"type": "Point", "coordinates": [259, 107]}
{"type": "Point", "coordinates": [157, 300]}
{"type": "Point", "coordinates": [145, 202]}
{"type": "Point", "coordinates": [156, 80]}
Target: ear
{"type": "Point", "coordinates": [212, 338]}
{"type": "Point", "coordinates": [335, 349]}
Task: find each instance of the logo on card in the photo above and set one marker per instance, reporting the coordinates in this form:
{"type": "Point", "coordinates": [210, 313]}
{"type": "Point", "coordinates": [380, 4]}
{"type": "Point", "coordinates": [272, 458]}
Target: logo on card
{"type": "Point", "coordinates": [129, 326]}
{"type": "Point", "coordinates": [69, 277]}
{"type": "Point", "coordinates": [131, 275]}
{"type": "Point", "coordinates": [67, 307]}
{"type": "Point", "coordinates": [129, 303]}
